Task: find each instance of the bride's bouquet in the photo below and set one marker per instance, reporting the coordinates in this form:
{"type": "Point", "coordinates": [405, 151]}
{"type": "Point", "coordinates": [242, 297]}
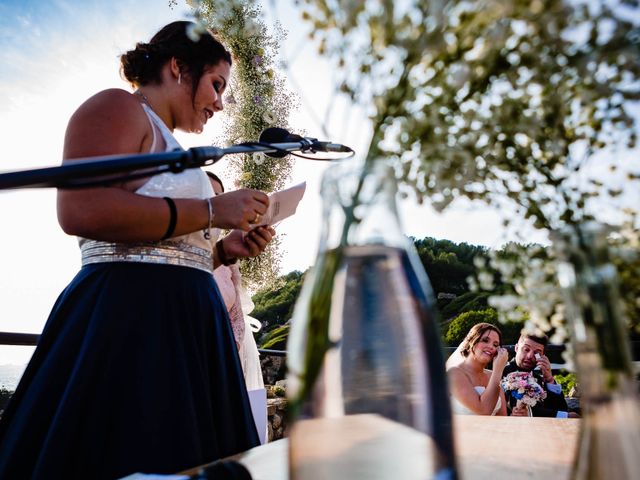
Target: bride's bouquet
{"type": "Point", "coordinates": [524, 387]}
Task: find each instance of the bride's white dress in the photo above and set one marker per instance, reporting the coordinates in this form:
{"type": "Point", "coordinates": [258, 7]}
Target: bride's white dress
{"type": "Point", "coordinates": [460, 409]}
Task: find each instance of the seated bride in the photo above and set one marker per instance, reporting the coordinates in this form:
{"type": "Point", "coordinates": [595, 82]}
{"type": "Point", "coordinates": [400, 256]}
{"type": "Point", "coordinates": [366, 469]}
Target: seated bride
{"type": "Point", "coordinates": [474, 389]}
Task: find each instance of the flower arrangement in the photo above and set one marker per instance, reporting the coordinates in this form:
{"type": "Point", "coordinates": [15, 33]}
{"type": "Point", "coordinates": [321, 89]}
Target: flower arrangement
{"type": "Point", "coordinates": [523, 387]}
{"type": "Point", "coordinates": [524, 283]}
{"type": "Point", "coordinates": [257, 99]}
{"type": "Point", "coordinates": [526, 106]}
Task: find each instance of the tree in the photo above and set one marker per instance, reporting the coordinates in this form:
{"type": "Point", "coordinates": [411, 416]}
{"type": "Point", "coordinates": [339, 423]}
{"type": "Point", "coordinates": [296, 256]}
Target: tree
{"type": "Point", "coordinates": [460, 326]}
{"type": "Point", "coordinates": [274, 306]}
{"type": "Point", "coordinates": [447, 264]}
{"type": "Point", "coordinates": [5, 396]}
{"type": "Point", "coordinates": [465, 303]}
{"type": "Point", "coordinates": [276, 339]}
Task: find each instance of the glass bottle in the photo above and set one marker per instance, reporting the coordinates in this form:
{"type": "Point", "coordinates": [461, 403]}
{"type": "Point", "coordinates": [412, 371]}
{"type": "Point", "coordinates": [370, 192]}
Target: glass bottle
{"type": "Point", "coordinates": [366, 384]}
{"type": "Point", "coordinates": [609, 441]}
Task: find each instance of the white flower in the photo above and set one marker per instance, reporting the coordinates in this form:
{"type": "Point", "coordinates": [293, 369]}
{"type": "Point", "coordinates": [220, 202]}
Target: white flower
{"type": "Point", "coordinates": [479, 262]}
{"type": "Point", "coordinates": [258, 158]}
{"type": "Point", "coordinates": [504, 302]}
{"type": "Point", "coordinates": [195, 31]}
{"type": "Point", "coordinates": [458, 74]}
{"type": "Point", "coordinates": [269, 117]}
{"type": "Point", "coordinates": [441, 205]}
{"type": "Point", "coordinates": [506, 268]}
{"type": "Point", "coordinates": [486, 280]}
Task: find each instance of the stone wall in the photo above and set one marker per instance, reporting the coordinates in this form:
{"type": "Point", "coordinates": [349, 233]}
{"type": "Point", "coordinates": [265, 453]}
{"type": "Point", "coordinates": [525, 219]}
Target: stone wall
{"type": "Point", "coordinates": [273, 368]}
{"type": "Point", "coordinates": [276, 416]}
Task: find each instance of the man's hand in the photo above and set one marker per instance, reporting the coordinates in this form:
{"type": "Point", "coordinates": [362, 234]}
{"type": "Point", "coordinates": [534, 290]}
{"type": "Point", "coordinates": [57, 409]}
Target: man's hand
{"type": "Point", "coordinates": [520, 410]}
{"type": "Point", "coordinates": [545, 368]}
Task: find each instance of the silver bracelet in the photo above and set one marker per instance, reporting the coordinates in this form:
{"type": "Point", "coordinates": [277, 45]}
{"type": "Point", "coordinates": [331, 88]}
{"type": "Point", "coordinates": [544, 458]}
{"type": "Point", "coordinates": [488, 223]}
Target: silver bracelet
{"type": "Point", "coordinates": [207, 230]}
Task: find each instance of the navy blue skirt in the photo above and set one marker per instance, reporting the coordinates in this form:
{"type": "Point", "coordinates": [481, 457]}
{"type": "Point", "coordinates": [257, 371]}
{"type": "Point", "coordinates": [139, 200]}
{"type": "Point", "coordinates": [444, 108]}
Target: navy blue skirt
{"type": "Point", "coordinates": [136, 371]}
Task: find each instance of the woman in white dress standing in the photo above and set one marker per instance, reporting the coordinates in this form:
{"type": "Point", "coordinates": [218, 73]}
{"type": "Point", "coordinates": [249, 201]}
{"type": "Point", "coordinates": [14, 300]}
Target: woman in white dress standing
{"type": "Point", "coordinates": [136, 369]}
{"type": "Point", "coordinates": [474, 389]}
{"type": "Point", "coordinates": [238, 303]}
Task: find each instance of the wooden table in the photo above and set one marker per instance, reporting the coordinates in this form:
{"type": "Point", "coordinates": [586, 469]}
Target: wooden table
{"type": "Point", "coordinates": [495, 448]}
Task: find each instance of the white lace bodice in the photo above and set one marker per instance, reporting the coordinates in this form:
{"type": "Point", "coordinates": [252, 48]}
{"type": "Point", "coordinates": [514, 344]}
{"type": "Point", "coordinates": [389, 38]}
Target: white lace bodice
{"type": "Point", "coordinates": [460, 409]}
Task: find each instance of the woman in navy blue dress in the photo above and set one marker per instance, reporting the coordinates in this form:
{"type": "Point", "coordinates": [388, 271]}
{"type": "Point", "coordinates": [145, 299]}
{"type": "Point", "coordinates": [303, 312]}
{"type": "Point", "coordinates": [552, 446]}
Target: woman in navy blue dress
{"type": "Point", "coordinates": [136, 369]}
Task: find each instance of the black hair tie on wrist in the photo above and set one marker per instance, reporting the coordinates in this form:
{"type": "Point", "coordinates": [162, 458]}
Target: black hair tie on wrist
{"type": "Point", "coordinates": [173, 218]}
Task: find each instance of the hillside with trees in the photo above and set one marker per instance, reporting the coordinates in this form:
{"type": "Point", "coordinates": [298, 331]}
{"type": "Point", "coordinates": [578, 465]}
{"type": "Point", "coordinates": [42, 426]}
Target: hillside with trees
{"type": "Point", "coordinates": [448, 265]}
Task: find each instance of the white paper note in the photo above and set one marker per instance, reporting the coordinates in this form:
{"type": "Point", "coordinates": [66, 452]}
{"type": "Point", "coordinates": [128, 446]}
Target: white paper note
{"type": "Point", "coordinates": [283, 204]}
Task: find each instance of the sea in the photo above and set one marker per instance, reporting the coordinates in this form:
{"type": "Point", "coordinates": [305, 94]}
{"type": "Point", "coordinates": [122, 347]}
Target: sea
{"type": "Point", "coordinates": [10, 375]}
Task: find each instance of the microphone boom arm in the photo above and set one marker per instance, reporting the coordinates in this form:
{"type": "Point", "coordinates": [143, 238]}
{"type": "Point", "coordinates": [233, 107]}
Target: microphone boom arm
{"type": "Point", "coordinates": [95, 171]}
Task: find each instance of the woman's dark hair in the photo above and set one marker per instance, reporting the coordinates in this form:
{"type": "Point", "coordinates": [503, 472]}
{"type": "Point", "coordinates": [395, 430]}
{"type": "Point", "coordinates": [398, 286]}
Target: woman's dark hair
{"type": "Point", "coordinates": [474, 336]}
{"type": "Point", "coordinates": [215, 178]}
{"type": "Point", "coordinates": [143, 65]}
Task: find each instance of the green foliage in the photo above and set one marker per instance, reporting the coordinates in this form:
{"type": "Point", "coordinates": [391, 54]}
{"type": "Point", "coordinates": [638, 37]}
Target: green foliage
{"type": "Point", "coordinates": [5, 395]}
{"type": "Point", "coordinates": [258, 98]}
{"type": "Point", "coordinates": [276, 339]}
{"type": "Point", "coordinates": [447, 264]}
{"type": "Point", "coordinates": [567, 381]}
{"type": "Point", "coordinates": [511, 332]}
{"type": "Point", "coordinates": [460, 326]}
{"type": "Point", "coordinates": [274, 306]}
{"type": "Point", "coordinates": [464, 303]}
{"type": "Point", "coordinates": [274, 391]}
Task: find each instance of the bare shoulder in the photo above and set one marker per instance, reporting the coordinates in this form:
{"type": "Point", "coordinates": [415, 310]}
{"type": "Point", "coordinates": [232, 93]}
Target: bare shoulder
{"type": "Point", "coordinates": [455, 373]}
{"type": "Point", "coordinates": [110, 122]}
{"type": "Point", "coordinates": [108, 103]}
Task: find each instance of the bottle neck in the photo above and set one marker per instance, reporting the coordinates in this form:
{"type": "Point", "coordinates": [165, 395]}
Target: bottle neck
{"type": "Point", "coordinates": [360, 206]}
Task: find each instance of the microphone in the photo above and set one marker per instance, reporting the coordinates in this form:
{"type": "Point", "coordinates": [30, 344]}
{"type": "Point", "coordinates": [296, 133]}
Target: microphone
{"type": "Point", "coordinates": [275, 135]}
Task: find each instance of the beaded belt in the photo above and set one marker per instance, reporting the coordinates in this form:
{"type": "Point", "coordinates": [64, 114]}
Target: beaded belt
{"type": "Point", "coordinates": [164, 253]}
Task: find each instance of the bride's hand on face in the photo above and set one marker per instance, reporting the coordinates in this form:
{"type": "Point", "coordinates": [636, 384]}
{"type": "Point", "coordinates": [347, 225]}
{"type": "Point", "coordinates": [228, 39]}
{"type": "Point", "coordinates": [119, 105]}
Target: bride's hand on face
{"type": "Point", "coordinates": [501, 359]}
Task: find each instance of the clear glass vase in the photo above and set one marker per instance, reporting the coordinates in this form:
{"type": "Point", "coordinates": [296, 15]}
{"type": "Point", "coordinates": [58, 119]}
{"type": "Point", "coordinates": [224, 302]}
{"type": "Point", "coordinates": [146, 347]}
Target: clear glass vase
{"type": "Point", "coordinates": [609, 442]}
{"type": "Point", "coordinates": [366, 382]}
